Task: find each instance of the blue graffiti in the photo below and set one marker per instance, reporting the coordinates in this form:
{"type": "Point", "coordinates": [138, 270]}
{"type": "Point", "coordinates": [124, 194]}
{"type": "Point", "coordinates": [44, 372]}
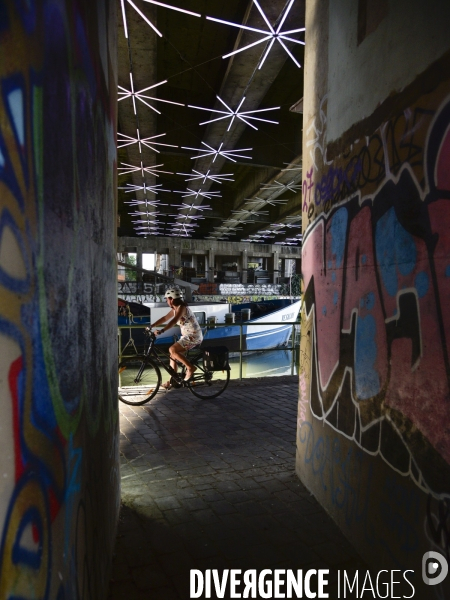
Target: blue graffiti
{"type": "Point", "coordinates": [400, 254]}
{"type": "Point", "coordinates": [346, 476]}
{"type": "Point", "coordinates": [335, 472]}
{"type": "Point", "coordinates": [72, 489]}
{"type": "Point", "coordinates": [367, 301]}
{"type": "Point", "coordinates": [8, 227]}
{"type": "Point", "coordinates": [21, 553]}
{"type": "Point", "coordinates": [338, 235]}
{"type": "Point", "coordinates": [13, 92]}
{"type": "Point", "coordinates": [421, 283]}
{"type": "Point", "coordinates": [337, 181]}
{"type": "Point", "coordinates": [366, 377]}
{"type": "Point", "coordinates": [14, 101]}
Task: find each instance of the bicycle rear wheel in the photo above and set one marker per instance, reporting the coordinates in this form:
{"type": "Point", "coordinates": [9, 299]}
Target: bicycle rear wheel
{"type": "Point", "coordinates": [208, 384]}
{"type": "Point", "coordinates": [139, 380]}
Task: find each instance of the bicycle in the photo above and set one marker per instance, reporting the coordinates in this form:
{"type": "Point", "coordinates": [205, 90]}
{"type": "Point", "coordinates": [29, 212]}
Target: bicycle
{"type": "Point", "coordinates": [140, 375]}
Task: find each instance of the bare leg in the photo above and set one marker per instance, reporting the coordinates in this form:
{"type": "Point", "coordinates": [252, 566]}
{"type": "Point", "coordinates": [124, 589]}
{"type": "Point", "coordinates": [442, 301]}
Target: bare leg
{"type": "Point", "coordinates": [177, 352]}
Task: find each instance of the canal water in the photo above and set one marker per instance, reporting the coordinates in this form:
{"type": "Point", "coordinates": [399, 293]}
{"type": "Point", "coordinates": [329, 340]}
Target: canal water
{"type": "Point", "coordinates": [265, 364]}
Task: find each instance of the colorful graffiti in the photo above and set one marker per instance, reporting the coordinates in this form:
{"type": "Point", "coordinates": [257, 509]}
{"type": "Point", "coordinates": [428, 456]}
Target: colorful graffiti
{"type": "Point", "coordinates": [58, 432]}
{"type": "Point", "coordinates": [376, 271]}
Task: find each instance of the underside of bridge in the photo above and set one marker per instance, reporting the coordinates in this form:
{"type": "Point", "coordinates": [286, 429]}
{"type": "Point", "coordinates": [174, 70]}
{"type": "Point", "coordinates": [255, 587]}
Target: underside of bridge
{"type": "Point", "coordinates": [210, 119]}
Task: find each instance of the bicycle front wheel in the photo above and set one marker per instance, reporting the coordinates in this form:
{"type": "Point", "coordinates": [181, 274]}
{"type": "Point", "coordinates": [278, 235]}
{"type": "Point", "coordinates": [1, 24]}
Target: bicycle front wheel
{"type": "Point", "coordinates": [139, 380]}
{"type": "Point", "coordinates": [208, 384]}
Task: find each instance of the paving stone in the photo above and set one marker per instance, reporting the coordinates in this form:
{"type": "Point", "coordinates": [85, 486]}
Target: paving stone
{"type": "Point", "coordinates": [167, 502]}
{"type": "Point", "coordinates": [222, 507]}
{"type": "Point", "coordinates": [250, 508]}
{"type": "Point", "coordinates": [205, 516]}
{"type": "Point", "coordinates": [228, 486]}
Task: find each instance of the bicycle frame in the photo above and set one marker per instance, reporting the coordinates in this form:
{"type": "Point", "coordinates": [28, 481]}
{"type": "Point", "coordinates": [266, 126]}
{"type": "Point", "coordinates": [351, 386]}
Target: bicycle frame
{"type": "Point", "coordinates": [158, 355]}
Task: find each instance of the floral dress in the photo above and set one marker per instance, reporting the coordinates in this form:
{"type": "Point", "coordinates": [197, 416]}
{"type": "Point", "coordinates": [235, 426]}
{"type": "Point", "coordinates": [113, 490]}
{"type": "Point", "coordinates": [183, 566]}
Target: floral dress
{"type": "Point", "coordinates": [191, 333]}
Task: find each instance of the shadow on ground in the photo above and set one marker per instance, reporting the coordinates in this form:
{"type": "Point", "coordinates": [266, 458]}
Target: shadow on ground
{"type": "Point", "coordinates": [211, 485]}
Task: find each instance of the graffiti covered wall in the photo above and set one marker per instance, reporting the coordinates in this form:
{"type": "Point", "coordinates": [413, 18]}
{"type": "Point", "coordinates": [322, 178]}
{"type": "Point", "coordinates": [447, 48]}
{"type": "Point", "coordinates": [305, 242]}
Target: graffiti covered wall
{"type": "Point", "coordinates": [374, 407]}
{"type": "Point", "coordinates": [59, 483]}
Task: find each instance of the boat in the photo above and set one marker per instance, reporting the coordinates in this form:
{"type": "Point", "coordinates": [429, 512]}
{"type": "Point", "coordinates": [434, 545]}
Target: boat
{"type": "Point", "coordinates": [264, 325]}
{"type": "Point", "coordinates": [269, 330]}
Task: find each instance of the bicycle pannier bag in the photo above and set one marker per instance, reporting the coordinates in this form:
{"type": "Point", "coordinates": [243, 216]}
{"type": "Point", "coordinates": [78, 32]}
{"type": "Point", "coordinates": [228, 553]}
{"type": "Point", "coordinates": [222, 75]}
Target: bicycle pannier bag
{"type": "Point", "coordinates": [216, 358]}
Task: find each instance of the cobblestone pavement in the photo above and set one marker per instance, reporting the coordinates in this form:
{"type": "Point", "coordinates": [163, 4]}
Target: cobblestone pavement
{"type": "Point", "coordinates": [211, 485]}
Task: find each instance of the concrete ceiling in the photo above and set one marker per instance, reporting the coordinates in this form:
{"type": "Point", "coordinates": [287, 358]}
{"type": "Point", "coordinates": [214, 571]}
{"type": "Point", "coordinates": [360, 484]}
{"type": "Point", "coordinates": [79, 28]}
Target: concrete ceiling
{"type": "Point", "coordinates": [255, 195]}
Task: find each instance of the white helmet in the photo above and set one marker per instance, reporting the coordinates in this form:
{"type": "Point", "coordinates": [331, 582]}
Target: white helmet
{"type": "Point", "coordinates": [173, 293]}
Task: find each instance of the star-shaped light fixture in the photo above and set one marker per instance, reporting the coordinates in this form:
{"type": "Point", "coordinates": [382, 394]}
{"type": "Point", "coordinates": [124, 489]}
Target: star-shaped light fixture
{"type": "Point", "coordinates": [151, 189]}
{"type": "Point", "coordinates": [144, 213]}
{"type": "Point", "coordinates": [148, 232]}
{"type": "Point", "coordinates": [148, 227]}
{"type": "Point", "coordinates": [126, 140]}
{"type": "Point", "coordinates": [127, 169]}
{"type": "Point", "coordinates": [122, 2]}
{"type": "Point", "coordinates": [196, 193]}
{"type": "Point", "coordinates": [148, 221]}
{"type": "Point", "coordinates": [190, 217]}
{"type": "Point", "coordinates": [179, 234]}
{"type": "Point", "coordinates": [185, 224]}
{"type": "Point", "coordinates": [139, 95]}
{"type": "Point", "coordinates": [233, 114]}
{"type": "Point", "coordinates": [219, 152]}
{"type": "Point", "coordinates": [277, 186]}
{"type": "Point", "coordinates": [253, 213]}
{"type": "Point", "coordinates": [205, 176]}
{"type": "Point", "coordinates": [183, 206]}
{"type": "Point", "coordinates": [136, 202]}
{"type": "Point", "coordinates": [269, 34]}
{"type": "Point", "coordinates": [271, 201]}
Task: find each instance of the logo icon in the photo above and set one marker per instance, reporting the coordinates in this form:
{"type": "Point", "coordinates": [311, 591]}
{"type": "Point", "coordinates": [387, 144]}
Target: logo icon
{"type": "Point", "coordinates": [434, 568]}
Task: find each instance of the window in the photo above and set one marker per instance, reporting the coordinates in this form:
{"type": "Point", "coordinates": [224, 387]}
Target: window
{"type": "Point", "coordinates": [201, 317]}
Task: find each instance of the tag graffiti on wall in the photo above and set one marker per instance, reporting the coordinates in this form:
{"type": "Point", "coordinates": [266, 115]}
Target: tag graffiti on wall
{"type": "Point", "coordinates": [376, 269]}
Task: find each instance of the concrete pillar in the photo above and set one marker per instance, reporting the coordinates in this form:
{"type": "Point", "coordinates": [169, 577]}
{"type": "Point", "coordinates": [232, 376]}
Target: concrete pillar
{"type": "Point", "coordinates": [389, 386]}
{"type": "Point", "coordinates": [174, 257]}
{"type": "Point", "coordinates": [244, 261]}
{"type": "Point", "coordinates": [59, 459]}
{"type": "Point", "coordinates": [139, 264]}
{"type": "Point", "coordinates": [211, 259]}
{"type": "Point", "coordinates": [275, 260]}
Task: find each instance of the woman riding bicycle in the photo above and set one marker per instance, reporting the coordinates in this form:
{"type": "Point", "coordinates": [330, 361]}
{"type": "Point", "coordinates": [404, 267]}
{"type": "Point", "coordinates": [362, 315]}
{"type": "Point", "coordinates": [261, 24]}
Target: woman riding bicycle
{"type": "Point", "coordinates": [191, 333]}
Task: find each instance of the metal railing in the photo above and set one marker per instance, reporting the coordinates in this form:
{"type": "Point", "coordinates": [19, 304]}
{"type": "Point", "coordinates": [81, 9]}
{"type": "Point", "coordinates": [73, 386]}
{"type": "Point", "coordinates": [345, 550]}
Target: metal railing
{"type": "Point", "coordinates": [294, 340]}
